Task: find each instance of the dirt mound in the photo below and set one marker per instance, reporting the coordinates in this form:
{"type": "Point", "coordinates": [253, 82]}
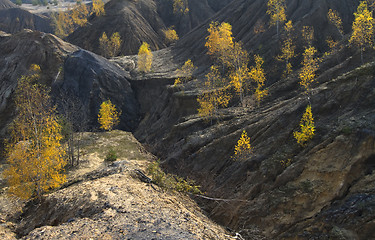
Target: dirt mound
{"type": "Point", "coordinates": [105, 201]}
{"type": "Point", "coordinates": [13, 20]}
{"type": "Point", "coordinates": [136, 21]}
{"type": "Point", "coordinates": [89, 77]}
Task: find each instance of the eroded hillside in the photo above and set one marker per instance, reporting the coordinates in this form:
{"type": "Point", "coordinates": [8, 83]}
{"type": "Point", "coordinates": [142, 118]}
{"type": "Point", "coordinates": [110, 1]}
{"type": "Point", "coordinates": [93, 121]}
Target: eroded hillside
{"type": "Point", "coordinates": [282, 191]}
{"type": "Point", "coordinates": [106, 200]}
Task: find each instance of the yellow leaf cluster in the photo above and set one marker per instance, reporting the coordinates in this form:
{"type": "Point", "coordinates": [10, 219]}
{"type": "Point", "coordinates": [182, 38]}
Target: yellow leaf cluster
{"type": "Point", "coordinates": [276, 11]}
{"type": "Point", "coordinates": [66, 22]}
{"type": "Point", "coordinates": [288, 48]}
{"type": "Point", "coordinates": [144, 58]}
{"type": "Point", "coordinates": [220, 42]}
{"type": "Point", "coordinates": [186, 71]}
{"type": "Point", "coordinates": [110, 47]}
{"type": "Point", "coordinates": [307, 128]}
{"type": "Point", "coordinates": [239, 74]}
{"type": "Point", "coordinates": [243, 147]}
{"type": "Point", "coordinates": [170, 35]}
{"type": "Point", "coordinates": [363, 28]}
{"type": "Point", "coordinates": [98, 7]}
{"type": "Point", "coordinates": [63, 24]}
{"type": "Point", "coordinates": [310, 66]}
{"type": "Point", "coordinates": [180, 6]}
{"type": "Point", "coordinates": [308, 34]}
{"type": "Point", "coordinates": [214, 95]}
{"type": "Point", "coordinates": [335, 19]}
{"type": "Point", "coordinates": [332, 44]}
{"type": "Point", "coordinates": [259, 27]}
{"type": "Point", "coordinates": [221, 45]}
{"type": "Point", "coordinates": [258, 76]}
{"type": "Point", "coordinates": [108, 116]}
{"type": "Point", "coordinates": [79, 14]}
{"type": "Point", "coordinates": [34, 153]}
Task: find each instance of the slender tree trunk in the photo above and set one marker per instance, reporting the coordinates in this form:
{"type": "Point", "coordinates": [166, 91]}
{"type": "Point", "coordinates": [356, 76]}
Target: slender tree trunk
{"type": "Point", "coordinates": [277, 29]}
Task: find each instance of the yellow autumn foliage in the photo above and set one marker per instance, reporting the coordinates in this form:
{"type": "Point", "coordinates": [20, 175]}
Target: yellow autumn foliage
{"type": "Point", "coordinates": [98, 7]}
{"type": "Point", "coordinates": [307, 128]}
{"type": "Point", "coordinates": [287, 49]}
{"type": "Point", "coordinates": [170, 35]}
{"type": "Point", "coordinates": [180, 6]}
{"type": "Point", "coordinates": [220, 42]}
{"type": "Point", "coordinates": [79, 14]}
{"type": "Point", "coordinates": [110, 47]}
{"type": "Point", "coordinates": [186, 71]}
{"type": "Point", "coordinates": [363, 28]}
{"type": "Point", "coordinates": [242, 150]}
{"type": "Point", "coordinates": [335, 19]}
{"type": "Point", "coordinates": [276, 11]}
{"type": "Point", "coordinates": [308, 35]}
{"type": "Point", "coordinates": [108, 116]}
{"type": "Point", "coordinates": [144, 58]}
{"type": "Point", "coordinates": [35, 156]}
{"type": "Point", "coordinates": [215, 95]}
{"type": "Point", "coordinates": [258, 76]}
{"type": "Point", "coordinates": [310, 66]}
{"type": "Point", "coordinates": [66, 22]}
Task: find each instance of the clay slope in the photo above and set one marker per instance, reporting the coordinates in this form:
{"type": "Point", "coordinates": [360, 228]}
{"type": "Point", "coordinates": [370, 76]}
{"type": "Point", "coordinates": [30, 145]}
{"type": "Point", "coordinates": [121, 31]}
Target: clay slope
{"type": "Point", "coordinates": [78, 74]}
{"type": "Point", "coordinates": [15, 19]}
{"type": "Point", "coordinates": [136, 21]}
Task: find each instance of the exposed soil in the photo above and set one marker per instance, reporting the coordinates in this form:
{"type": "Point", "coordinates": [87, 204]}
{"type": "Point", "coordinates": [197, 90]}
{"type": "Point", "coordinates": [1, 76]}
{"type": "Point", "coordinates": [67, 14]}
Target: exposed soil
{"type": "Point", "coordinates": [105, 200]}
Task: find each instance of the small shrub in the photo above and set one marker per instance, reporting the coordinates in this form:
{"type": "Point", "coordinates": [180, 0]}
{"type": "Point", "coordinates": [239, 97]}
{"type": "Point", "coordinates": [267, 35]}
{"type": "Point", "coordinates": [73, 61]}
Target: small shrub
{"type": "Point", "coordinates": [171, 181]}
{"type": "Point", "coordinates": [346, 130]}
{"type": "Point", "coordinates": [111, 156]}
{"type": "Point", "coordinates": [306, 186]}
{"type": "Point", "coordinates": [286, 163]}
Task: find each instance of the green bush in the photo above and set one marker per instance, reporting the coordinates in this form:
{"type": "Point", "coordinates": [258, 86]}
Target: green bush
{"type": "Point", "coordinates": [111, 156]}
{"type": "Point", "coordinates": [171, 181]}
